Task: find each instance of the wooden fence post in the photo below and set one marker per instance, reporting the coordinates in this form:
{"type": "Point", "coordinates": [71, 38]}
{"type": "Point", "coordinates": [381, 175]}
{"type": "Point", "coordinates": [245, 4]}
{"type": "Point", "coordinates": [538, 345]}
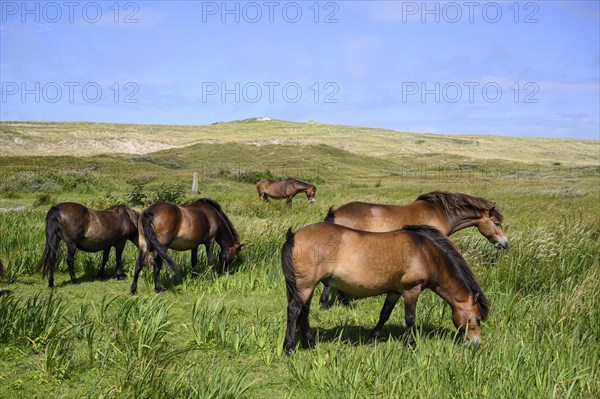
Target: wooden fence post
{"type": "Point", "coordinates": [195, 183]}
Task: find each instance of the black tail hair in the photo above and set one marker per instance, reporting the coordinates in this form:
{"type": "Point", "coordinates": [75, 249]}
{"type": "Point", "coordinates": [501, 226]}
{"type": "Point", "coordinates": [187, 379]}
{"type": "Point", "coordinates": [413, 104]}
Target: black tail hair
{"type": "Point", "coordinates": [53, 237]}
{"type": "Point", "coordinates": [1, 268]}
{"type": "Point", "coordinates": [146, 220]}
{"type": "Point", "coordinates": [456, 261]}
{"type": "Point", "coordinates": [287, 266]}
{"type": "Point", "coordinates": [330, 218]}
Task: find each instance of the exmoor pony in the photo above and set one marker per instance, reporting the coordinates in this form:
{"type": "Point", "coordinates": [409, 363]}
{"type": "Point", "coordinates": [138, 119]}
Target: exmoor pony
{"type": "Point", "coordinates": [184, 228]}
{"type": "Point", "coordinates": [448, 212]}
{"type": "Point", "coordinates": [90, 231]}
{"type": "Point", "coordinates": [400, 263]}
{"type": "Point", "coordinates": [285, 189]}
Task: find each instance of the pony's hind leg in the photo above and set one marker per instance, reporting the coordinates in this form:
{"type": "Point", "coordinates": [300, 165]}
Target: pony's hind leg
{"type": "Point", "coordinates": [308, 341]}
{"type": "Point", "coordinates": [139, 263]}
{"type": "Point", "coordinates": [158, 261]}
{"type": "Point", "coordinates": [324, 299]}
{"type": "Point", "coordinates": [293, 311]}
{"type": "Point", "coordinates": [105, 255]}
{"type": "Point", "coordinates": [390, 301]}
{"type": "Point", "coordinates": [297, 312]}
{"type": "Point", "coordinates": [71, 249]}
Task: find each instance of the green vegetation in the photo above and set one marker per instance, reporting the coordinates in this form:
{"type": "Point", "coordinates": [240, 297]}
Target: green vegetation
{"type": "Point", "coordinates": [223, 338]}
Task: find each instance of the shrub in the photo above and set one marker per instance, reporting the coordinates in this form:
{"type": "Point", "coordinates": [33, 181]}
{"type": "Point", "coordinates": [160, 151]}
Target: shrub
{"type": "Point", "coordinates": [173, 193]}
{"type": "Point", "coordinates": [44, 199]}
{"type": "Point", "coordinates": [165, 163]}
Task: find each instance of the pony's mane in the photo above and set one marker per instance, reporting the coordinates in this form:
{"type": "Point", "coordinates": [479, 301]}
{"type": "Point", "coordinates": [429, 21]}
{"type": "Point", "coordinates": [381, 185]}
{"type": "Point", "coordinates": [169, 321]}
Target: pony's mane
{"type": "Point", "coordinates": [289, 179]}
{"type": "Point", "coordinates": [448, 201]}
{"type": "Point", "coordinates": [130, 212]}
{"type": "Point", "coordinates": [459, 266]}
{"type": "Point", "coordinates": [219, 210]}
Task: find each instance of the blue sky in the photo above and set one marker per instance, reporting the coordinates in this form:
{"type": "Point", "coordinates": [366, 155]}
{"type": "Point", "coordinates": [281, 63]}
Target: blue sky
{"type": "Point", "coordinates": [506, 68]}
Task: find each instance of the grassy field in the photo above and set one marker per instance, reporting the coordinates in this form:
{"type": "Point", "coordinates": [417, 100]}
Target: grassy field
{"type": "Point", "coordinates": [223, 338]}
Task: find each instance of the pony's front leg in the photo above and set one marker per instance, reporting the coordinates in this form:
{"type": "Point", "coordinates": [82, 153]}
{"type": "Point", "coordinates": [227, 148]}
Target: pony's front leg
{"type": "Point", "coordinates": [105, 255]}
{"type": "Point", "coordinates": [288, 201]}
{"type": "Point", "coordinates": [119, 255]}
{"type": "Point", "coordinates": [210, 255]}
{"type": "Point", "coordinates": [139, 263]}
{"type": "Point", "coordinates": [410, 311]}
{"type": "Point", "coordinates": [194, 257]}
{"type": "Point", "coordinates": [71, 249]}
{"type": "Point", "coordinates": [390, 301]}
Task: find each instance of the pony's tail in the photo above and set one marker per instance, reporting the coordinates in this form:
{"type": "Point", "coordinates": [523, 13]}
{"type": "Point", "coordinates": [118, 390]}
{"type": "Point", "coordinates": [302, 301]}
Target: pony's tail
{"type": "Point", "coordinates": [53, 237]}
{"type": "Point", "coordinates": [287, 265]}
{"type": "Point", "coordinates": [330, 218]}
{"type": "Point", "coordinates": [146, 220]}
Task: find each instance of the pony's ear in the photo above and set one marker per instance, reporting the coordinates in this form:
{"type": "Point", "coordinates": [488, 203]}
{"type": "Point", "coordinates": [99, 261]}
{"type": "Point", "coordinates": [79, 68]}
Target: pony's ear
{"type": "Point", "coordinates": [492, 210]}
{"type": "Point", "coordinates": [475, 298]}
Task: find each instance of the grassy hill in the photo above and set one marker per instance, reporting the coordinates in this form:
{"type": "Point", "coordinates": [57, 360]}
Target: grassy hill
{"type": "Point", "coordinates": [82, 138]}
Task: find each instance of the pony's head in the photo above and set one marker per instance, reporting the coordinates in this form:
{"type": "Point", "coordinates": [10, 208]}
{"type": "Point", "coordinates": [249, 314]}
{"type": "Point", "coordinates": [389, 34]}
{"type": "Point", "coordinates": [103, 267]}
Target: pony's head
{"type": "Point", "coordinates": [490, 226]}
{"type": "Point", "coordinates": [486, 216]}
{"type": "Point", "coordinates": [310, 194]}
{"type": "Point", "coordinates": [229, 254]}
{"type": "Point", "coordinates": [467, 318]}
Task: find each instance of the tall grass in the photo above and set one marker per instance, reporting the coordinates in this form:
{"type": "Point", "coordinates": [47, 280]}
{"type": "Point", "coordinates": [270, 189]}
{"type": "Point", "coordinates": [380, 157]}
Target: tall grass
{"type": "Point", "coordinates": [223, 337]}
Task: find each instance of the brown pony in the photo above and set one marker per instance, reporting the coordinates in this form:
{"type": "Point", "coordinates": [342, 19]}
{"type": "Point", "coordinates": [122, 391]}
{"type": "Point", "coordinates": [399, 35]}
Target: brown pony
{"type": "Point", "coordinates": [87, 230]}
{"type": "Point", "coordinates": [400, 263]}
{"type": "Point", "coordinates": [448, 212]}
{"type": "Point", "coordinates": [284, 189]}
{"type": "Point", "coordinates": [182, 228]}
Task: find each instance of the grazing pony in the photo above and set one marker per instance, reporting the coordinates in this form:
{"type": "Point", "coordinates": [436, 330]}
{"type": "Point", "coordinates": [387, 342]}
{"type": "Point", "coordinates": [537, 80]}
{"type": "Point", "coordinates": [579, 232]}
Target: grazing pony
{"type": "Point", "coordinates": [87, 230]}
{"type": "Point", "coordinates": [183, 228]}
{"type": "Point", "coordinates": [400, 263]}
{"type": "Point", "coordinates": [284, 189]}
{"type": "Point", "coordinates": [448, 212]}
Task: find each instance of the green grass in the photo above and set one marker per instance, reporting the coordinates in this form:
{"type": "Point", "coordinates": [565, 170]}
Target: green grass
{"type": "Point", "coordinates": [223, 338]}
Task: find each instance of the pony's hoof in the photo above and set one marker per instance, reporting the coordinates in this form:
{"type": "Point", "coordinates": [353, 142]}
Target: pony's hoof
{"type": "Point", "coordinates": [373, 338]}
{"type": "Point", "coordinates": [288, 349]}
{"type": "Point", "coordinates": [75, 281]}
{"type": "Point", "coordinates": [309, 344]}
{"type": "Point", "coordinates": [120, 277]}
{"type": "Point", "coordinates": [101, 276]}
{"type": "Point", "coordinates": [325, 306]}
{"type": "Point", "coordinates": [159, 290]}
